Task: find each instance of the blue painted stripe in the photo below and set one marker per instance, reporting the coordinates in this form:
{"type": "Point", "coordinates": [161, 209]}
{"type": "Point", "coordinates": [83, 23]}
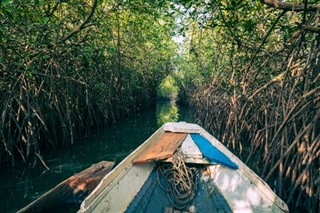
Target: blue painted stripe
{"type": "Point", "coordinates": [211, 152]}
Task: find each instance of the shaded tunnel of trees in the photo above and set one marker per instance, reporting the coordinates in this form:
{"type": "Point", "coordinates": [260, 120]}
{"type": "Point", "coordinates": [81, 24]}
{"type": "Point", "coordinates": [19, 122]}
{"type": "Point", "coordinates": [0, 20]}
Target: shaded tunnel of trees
{"type": "Point", "coordinates": [249, 68]}
{"type": "Point", "coordinates": [67, 66]}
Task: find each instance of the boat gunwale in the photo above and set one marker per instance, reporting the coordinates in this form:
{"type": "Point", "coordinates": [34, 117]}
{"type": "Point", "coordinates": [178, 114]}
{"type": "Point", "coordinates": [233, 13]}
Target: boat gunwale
{"type": "Point", "coordinates": [250, 174]}
{"type": "Point", "coordinates": [117, 173]}
{"type": "Point", "coordinates": [243, 168]}
{"type": "Point", "coordinates": [122, 168]}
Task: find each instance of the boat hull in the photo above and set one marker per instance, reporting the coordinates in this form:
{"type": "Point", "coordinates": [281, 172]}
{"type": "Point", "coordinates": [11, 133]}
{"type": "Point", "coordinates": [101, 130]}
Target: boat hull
{"type": "Point", "coordinates": [128, 187]}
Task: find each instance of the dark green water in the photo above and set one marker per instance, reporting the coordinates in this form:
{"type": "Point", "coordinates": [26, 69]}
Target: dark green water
{"type": "Point", "coordinates": [21, 185]}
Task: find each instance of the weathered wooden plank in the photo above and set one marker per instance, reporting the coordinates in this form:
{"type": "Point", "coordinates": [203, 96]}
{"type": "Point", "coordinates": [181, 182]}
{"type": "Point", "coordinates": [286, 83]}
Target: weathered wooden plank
{"type": "Point", "coordinates": [202, 161]}
{"type": "Point", "coordinates": [111, 180]}
{"type": "Point", "coordinates": [74, 189]}
{"type": "Point", "coordinates": [113, 195]}
{"type": "Point", "coordinates": [182, 127]}
{"type": "Point", "coordinates": [161, 149]}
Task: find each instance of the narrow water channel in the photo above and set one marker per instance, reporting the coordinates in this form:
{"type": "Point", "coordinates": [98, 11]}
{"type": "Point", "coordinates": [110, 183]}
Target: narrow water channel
{"type": "Point", "coordinates": [21, 185]}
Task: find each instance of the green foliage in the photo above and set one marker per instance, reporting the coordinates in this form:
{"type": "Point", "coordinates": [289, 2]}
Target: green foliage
{"type": "Point", "coordinates": [252, 73]}
{"type": "Point", "coordinates": [168, 88]}
{"type": "Point", "coordinates": [69, 65]}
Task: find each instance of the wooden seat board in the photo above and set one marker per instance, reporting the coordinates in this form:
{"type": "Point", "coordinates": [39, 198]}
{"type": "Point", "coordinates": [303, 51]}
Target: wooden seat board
{"type": "Point", "coordinates": [163, 148]}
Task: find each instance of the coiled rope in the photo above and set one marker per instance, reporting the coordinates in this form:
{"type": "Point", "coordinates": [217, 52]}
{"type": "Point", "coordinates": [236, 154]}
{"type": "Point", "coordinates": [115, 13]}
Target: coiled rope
{"type": "Point", "coordinates": [180, 181]}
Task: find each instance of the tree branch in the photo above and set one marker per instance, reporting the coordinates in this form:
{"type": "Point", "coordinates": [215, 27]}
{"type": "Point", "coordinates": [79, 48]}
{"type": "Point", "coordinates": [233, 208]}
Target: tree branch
{"type": "Point", "coordinates": [299, 7]}
{"type": "Point", "coordinates": [83, 24]}
{"type": "Point", "coordinates": [312, 29]}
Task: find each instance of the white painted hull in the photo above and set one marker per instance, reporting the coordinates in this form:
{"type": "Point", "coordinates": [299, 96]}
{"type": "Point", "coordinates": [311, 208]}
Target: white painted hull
{"type": "Point", "coordinates": [242, 189]}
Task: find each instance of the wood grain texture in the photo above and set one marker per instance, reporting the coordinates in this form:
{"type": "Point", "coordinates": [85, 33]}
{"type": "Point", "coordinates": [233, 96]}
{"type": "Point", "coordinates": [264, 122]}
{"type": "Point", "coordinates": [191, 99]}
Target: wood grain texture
{"type": "Point", "coordinates": [162, 149]}
{"type": "Point", "coordinates": [74, 189]}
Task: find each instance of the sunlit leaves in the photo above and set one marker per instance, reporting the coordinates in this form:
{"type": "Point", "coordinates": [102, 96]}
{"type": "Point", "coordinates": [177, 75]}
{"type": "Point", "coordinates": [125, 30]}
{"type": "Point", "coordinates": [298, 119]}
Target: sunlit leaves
{"type": "Point", "coordinates": [168, 88]}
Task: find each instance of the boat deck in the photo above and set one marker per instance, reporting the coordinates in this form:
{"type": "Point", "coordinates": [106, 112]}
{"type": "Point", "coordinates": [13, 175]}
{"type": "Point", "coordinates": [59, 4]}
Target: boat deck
{"type": "Point", "coordinates": [220, 181]}
{"type": "Point", "coordinates": [152, 198]}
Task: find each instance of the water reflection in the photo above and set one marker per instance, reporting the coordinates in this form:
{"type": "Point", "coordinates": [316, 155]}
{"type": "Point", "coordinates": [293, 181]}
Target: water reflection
{"type": "Point", "coordinates": [167, 112]}
{"type": "Point", "coordinates": [21, 185]}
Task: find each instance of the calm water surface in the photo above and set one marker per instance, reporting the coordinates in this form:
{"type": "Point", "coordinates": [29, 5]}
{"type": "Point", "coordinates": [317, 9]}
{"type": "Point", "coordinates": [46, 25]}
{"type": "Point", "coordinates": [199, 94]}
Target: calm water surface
{"type": "Point", "coordinates": [21, 185]}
